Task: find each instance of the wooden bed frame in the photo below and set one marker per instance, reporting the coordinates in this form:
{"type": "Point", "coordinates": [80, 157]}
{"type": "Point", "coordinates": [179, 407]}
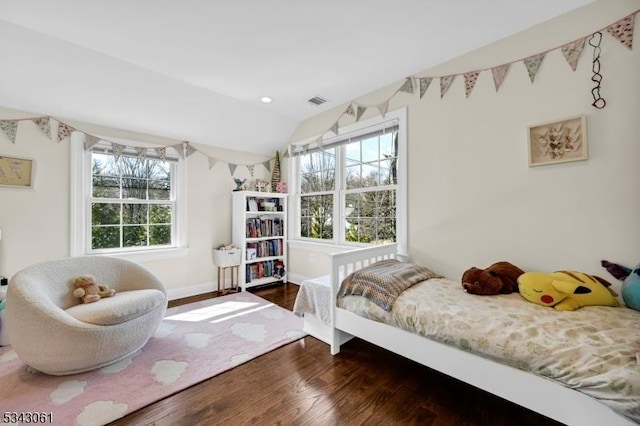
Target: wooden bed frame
{"type": "Point", "coordinates": [528, 390]}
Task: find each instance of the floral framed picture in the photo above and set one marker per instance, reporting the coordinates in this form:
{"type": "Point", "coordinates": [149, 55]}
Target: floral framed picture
{"type": "Point", "coordinates": [16, 172]}
{"type": "Point", "coordinates": [558, 141]}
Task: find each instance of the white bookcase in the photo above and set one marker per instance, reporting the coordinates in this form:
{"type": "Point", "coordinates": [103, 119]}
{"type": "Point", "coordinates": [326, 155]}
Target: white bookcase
{"type": "Point", "coordinates": [260, 231]}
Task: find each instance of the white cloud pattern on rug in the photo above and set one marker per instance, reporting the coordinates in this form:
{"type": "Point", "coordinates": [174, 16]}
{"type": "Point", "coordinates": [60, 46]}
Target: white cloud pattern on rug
{"type": "Point", "coordinates": [163, 330]}
{"type": "Point", "coordinates": [66, 391]}
{"type": "Point", "coordinates": [197, 340]}
{"type": "Point", "coordinates": [119, 366]}
{"type": "Point", "coordinates": [168, 371]}
{"type": "Point", "coordinates": [100, 413]}
{"type": "Point", "coordinates": [250, 332]}
{"type": "Point", "coordinates": [272, 313]}
{"type": "Point", "coordinates": [8, 356]}
{"type": "Point", "coordinates": [240, 358]}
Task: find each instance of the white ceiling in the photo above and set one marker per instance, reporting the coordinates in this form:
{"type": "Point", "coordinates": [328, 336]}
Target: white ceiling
{"type": "Point", "coordinates": [195, 69]}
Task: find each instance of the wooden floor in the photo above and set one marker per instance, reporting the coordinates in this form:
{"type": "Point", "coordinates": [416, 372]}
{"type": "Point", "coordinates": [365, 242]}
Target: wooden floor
{"type": "Point", "coordinates": [302, 384]}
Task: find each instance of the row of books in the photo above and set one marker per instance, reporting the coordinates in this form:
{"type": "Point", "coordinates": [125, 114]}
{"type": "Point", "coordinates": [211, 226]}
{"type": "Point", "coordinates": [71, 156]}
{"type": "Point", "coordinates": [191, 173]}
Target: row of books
{"type": "Point", "coordinates": [260, 270]}
{"type": "Point", "coordinates": [258, 227]}
{"type": "Point", "coordinates": [264, 249]}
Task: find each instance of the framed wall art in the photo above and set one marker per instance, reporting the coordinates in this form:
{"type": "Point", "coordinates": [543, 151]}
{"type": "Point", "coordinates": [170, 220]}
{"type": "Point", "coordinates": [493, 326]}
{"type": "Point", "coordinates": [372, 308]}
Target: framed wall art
{"type": "Point", "coordinates": [558, 141]}
{"type": "Point", "coordinates": [16, 172]}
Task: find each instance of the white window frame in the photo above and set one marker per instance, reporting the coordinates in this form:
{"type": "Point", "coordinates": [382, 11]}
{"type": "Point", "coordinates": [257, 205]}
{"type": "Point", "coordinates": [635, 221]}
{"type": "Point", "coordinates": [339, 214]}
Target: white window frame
{"type": "Point", "coordinates": [398, 116]}
{"type": "Point", "coordinates": [80, 209]}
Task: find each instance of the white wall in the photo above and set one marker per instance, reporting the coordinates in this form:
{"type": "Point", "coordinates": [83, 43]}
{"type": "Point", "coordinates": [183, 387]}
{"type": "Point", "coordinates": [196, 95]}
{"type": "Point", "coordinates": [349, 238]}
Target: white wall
{"type": "Point", "coordinates": [35, 222]}
{"type": "Point", "coordinates": [473, 200]}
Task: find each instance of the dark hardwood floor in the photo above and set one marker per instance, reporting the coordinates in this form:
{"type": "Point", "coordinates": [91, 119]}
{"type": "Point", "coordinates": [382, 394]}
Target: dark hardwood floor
{"type": "Point", "coordinates": [301, 383]}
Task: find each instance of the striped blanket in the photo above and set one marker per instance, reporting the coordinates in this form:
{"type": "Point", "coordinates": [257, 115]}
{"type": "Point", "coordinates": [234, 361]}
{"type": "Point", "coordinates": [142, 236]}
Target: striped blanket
{"type": "Point", "coordinates": [383, 281]}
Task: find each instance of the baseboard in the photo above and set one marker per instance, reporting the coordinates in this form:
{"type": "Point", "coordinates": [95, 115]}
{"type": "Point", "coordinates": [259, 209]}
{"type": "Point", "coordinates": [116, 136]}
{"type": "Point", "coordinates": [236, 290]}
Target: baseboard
{"type": "Point", "coordinates": [295, 278]}
{"type": "Point", "coordinates": [193, 290]}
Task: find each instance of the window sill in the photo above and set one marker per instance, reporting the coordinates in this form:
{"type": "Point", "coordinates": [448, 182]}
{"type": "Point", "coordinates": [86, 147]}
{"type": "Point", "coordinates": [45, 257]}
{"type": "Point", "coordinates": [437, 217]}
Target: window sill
{"type": "Point", "coordinates": [323, 247]}
{"type": "Point", "coordinates": [148, 255]}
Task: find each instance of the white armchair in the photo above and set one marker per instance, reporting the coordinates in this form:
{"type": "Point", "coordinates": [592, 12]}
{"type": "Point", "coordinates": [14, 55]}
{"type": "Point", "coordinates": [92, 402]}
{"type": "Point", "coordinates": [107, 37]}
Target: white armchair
{"type": "Point", "coordinates": [54, 332]}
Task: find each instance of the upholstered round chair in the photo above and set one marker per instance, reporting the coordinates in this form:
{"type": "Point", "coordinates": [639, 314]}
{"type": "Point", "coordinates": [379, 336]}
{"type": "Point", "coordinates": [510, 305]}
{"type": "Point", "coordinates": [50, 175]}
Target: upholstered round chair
{"type": "Point", "coordinates": [54, 332]}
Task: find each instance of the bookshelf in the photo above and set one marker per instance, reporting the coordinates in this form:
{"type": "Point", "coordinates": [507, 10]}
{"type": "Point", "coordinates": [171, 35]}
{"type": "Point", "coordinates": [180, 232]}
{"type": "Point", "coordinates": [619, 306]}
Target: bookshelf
{"type": "Point", "coordinates": [259, 229]}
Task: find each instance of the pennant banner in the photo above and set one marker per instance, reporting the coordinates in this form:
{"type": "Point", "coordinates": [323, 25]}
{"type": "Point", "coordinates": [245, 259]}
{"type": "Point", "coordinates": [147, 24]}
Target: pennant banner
{"type": "Point", "coordinates": [533, 64]}
{"type": "Point", "coordinates": [44, 124]}
{"type": "Point", "coordinates": [623, 30]}
{"type": "Point", "coordinates": [90, 141]}
{"type": "Point", "coordinates": [360, 111]}
{"type": "Point", "coordinates": [10, 128]}
{"type": "Point", "coordinates": [189, 149]}
{"type": "Point", "coordinates": [232, 168]}
{"type": "Point", "coordinates": [64, 130]}
{"type": "Point", "coordinates": [498, 74]}
{"type": "Point", "coordinates": [179, 149]}
{"type": "Point", "coordinates": [350, 111]}
{"type": "Point", "coordinates": [470, 79]}
{"type": "Point", "coordinates": [407, 86]}
{"type": "Point", "coordinates": [267, 165]}
{"type": "Point", "coordinates": [424, 85]}
{"type": "Point", "coordinates": [334, 128]}
{"type": "Point", "coordinates": [572, 52]}
{"type": "Point", "coordinates": [117, 150]}
{"type": "Point", "coordinates": [383, 107]}
{"type": "Point", "coordinates": [445, 83]}
{"type": "Point", "coordinates": [251, 168]}
{"type": "Point", "coordinates": [212, 162]}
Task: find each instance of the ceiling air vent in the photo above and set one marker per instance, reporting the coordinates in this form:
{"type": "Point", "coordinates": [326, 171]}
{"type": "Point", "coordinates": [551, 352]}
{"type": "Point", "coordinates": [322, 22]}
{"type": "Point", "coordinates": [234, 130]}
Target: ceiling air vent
{"type": "Point", "coordinates": [317, 100]}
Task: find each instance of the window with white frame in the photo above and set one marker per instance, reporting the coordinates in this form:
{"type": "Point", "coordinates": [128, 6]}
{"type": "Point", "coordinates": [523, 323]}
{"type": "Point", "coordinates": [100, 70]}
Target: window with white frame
{"type": "Point", "coordinates": [352, 188]}
{"type": "Point", "coordinates": [127, 199]}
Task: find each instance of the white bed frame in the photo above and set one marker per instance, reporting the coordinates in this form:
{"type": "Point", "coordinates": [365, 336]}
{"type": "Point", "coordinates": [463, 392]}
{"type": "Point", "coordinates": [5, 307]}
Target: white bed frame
{"type": "Point", "coordinates": [528, 390]}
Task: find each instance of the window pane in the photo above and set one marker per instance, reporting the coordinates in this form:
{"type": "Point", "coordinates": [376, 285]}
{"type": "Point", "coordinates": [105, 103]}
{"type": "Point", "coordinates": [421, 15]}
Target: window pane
{"type": "Point", "coordinates": [134, 213]}
{"type": "Point", "coordinates": [159, 235]}
{"type": "Point", "coordinates": [353, 152]}
{"type": "Point", "coordinates": [312, 182]}
{"type": "Point", "coordinates": [160, 214]}
{"type": "Point", "coordinates": [105, 214]}
{"type": "Point", "coordinates": [105, 165]}
{"type": "Point", "coordinates": [316, 216]}
{"type": "Point", "coordinates": [386, 145]}
{"type": "Point", "coordinates": [370, 150]}
{"type": "Point", "coordinates": [160, 189]}
{"type": "Point", "coordinates": [133, 166]}
{"type": "Point", "coordinates": [134, 236]}
{"type": "Point", "coordinates": [134, 188]}
{"type": "Point", "coordinates": [370, 174]}
{"type": "Point", "coordinates": [328, 180]}
{"type": "Point", "coordinates": [106, 187]}
{"type": "Point", "coordinates": [370, 217]}
{"type": "Point", "coordinates": [105, 237]}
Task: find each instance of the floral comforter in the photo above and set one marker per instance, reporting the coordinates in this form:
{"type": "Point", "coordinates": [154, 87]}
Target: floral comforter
{"type": "Point", "coordinates": [595, 349]}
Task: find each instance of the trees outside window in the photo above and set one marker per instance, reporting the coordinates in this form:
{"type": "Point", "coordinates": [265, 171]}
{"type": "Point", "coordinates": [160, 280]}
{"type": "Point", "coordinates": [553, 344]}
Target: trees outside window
{"type": "Point", "coordinates": [350, 190]}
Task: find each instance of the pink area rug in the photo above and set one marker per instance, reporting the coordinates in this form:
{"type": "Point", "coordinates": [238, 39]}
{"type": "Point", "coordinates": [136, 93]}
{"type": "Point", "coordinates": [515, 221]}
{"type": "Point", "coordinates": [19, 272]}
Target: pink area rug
{"type": "Point", "coordinates": [193, 343]}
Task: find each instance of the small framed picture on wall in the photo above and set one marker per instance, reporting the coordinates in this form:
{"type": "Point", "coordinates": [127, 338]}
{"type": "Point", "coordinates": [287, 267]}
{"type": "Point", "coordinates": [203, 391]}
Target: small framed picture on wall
{"type": "Point", "coordinates": [558, 141]}
{"type": "Point", "coordinates": [16, 172]}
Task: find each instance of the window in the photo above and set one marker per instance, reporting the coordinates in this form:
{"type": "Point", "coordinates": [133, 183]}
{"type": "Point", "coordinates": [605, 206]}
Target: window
{"type": "Point", "coordinates": [127, 200]}
{"type": "Point", "coordinates": [351, 189]}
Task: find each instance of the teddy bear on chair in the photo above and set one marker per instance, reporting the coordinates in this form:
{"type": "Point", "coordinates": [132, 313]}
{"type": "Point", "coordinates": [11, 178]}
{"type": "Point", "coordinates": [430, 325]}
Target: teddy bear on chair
{"type": "Point", "coordinates": [85, 288]}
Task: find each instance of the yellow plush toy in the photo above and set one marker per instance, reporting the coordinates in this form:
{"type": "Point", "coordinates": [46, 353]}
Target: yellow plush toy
{"type": "Point", "coordinates": [566, 290]}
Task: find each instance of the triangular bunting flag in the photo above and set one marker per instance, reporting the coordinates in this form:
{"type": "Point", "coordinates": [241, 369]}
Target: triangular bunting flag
{"type": "Point", "coordinates": [383, 107]}
{"type": "Point", "coordinates": [350, 111]}
{"type": "Point", "coordinates": [424, 85]}
{"type": "Point", "coordinates": [251, 168]}
{"type": "Point", "coordinates": [212, 162]}
{"type": "Point", "coordinates": [179, 148]}
{"type": "Point", "coordinates": [360, 110]}
{"type": "Point", "coordinates": [470, 79]}
{"type": "Point", "coordinates": [623, 30]}
{"type": "Point", "coordinates": [232, 168]}
{"type": "Point", "coordinates": [318, 142]}
{"type": "Point", "coordinates": [334, 128]}
{"type": "Point", "coordinates": [287, 153]}
{"type": "Point", "coordinates": [141, 153]}
{"type": "Point", "coordinates": [90, 141]}
{"type": "Point", "coordinates": [533, 64]}
{"type": "Point", "coordinates": [267, 165]}
{"type": "Point", "coordinates": [44, 124]}
{"type": "Point", "coordinates": [117, 150]}
{"type": "Point", "coordinates": [189, 149]}
{"type": "Point", "coordinates": [64, 130]}
{"type": "Point", "coordinates": [572, 52]}
{"type": "Point", "coordinates": [445, 83]}
{"type": "Point", "coordinates": [498, 74]}
{"type": "Point", "coordinates": [10, 128]}
{"type": "Point", "coordinates": [407, 86]}
{"type": "Point", "coordinates": [162, 153]}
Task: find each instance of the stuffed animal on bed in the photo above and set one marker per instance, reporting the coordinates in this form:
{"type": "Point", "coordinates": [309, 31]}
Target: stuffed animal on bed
{"type": "Point", "coordinates": [501, 277]}
{"type": "Point", "coordinates": [630, 282]}
{"type": "Point", "coordinates": [566, 290]}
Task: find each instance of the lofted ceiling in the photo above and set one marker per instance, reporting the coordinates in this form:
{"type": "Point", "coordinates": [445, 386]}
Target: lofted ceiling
{"type": "Point", "coordinates": [195, 69]}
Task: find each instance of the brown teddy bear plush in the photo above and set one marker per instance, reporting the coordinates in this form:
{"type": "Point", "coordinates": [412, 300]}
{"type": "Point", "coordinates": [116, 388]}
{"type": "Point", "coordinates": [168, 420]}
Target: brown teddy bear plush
{"type": "Point", "coordinates": [85, 288]}
{"type": "Point", "coordinates": [501, 277]}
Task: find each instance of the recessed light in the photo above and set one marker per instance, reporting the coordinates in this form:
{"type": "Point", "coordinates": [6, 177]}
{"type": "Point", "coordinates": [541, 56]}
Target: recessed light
{"type": "Point", "coordinates": [265, 99]}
